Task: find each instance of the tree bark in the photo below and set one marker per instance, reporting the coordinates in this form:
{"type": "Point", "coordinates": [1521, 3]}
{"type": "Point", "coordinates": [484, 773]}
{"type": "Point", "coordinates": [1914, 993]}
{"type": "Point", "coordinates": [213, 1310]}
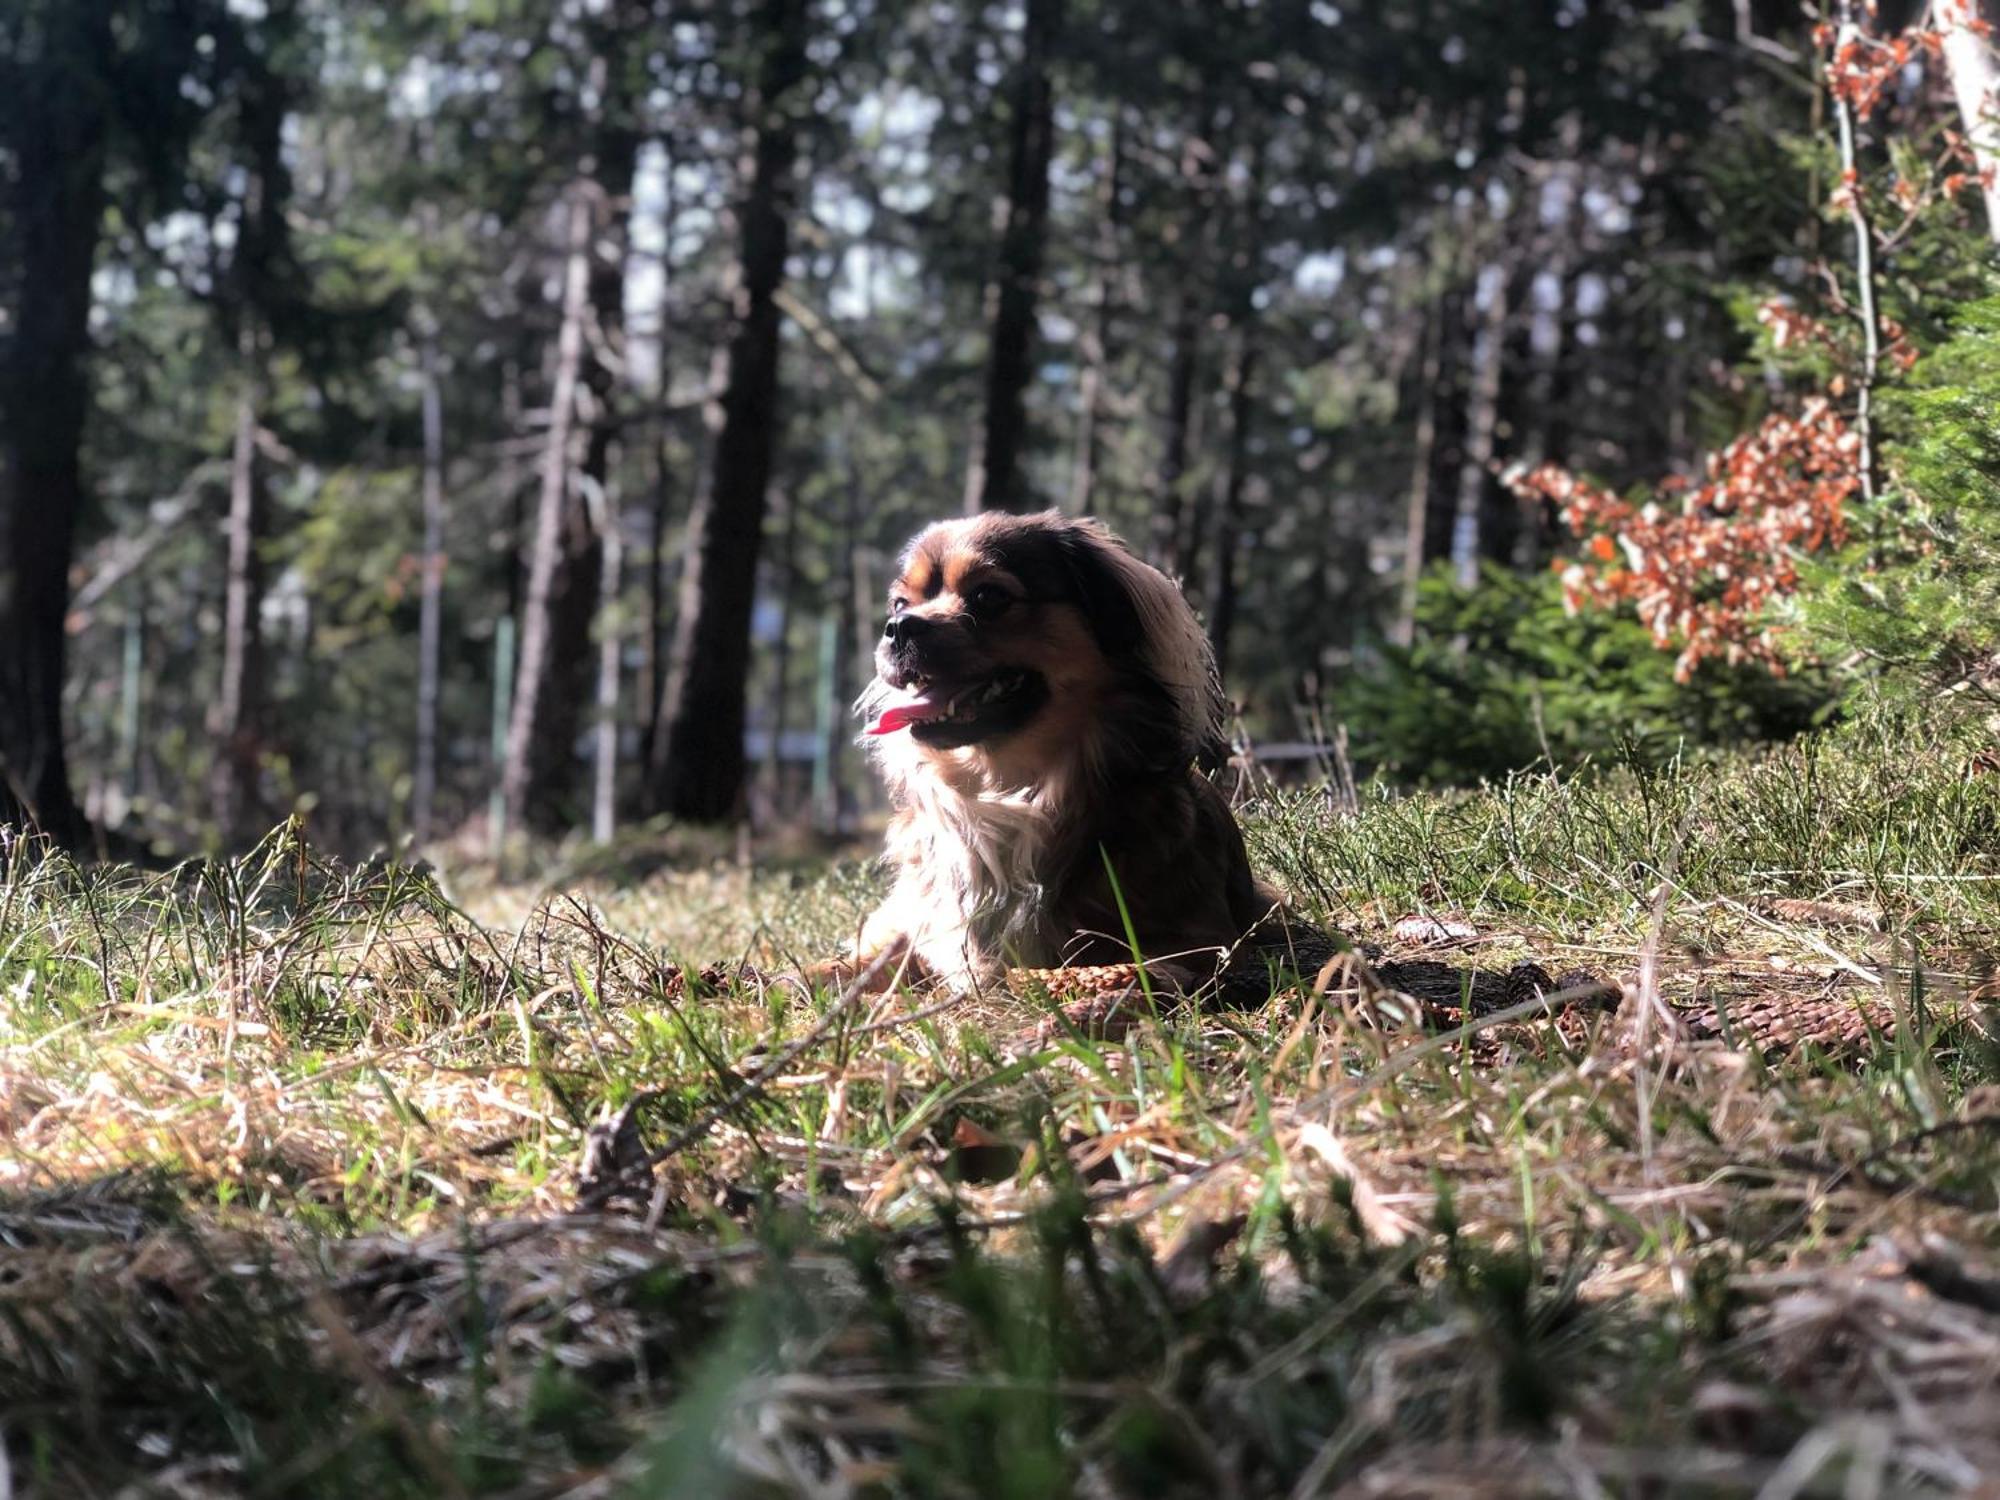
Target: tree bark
{"type": "Point", "coordinates": [1417, 505]}
{"type": "Point", "coordinates": [54, 200]}
{"type": "Point", "coordinates": [698, 764]}
{"type": "Point", "coordinates": [785, 578]}
{"type": "Point", "coordinates": [512, 419]}
{"type": "Point", "coordinates": [994, 480]}
{"type": "Point", "coordinates": [235, 723]}
{"type": "Point", "coordinates": [1246, 276]}
{"type": "Point", "coordinates": [610, 645]}
{"type": "Point", "coordinates": [430, 610]}
{"type": "Point", "coordinates": [1175, 527]}
{"type": "Point", "coordinates": [550, 791]}
{"type": "Point", "coordinates": [1975, 87]}
{"type": "Point", "coordinates": [525, 723]}
{"type": "Point", "coordinates": [1544, 416]}
{"type": "Point", "coordinates": [1482, 421]}
{"type": "Point", "coordinates": [256, 288]}
{"type": "Point", "coordinates": [1548, 416]}
{"type": "Point", "coordinates": [1098, 338]}
{"type": "Point", "coordinates": [1170, 499]}
{"type": "Point", "coordinates": [834, 813]}
{"type": "Point", "coordinates": [1847, 132]}
{"type": "Point", "coordinates": [577, 610]}
{"type": "Point", "coordinates": [652, 658]}
{"type": "Point", "coordinates": [671, 548]}
{"type": "Point", "coordinates": [1449, 406]}
{"type": "Point", "coordinates": [1239, 383]}
{"type": "Point", "coordinates": [653, 637]}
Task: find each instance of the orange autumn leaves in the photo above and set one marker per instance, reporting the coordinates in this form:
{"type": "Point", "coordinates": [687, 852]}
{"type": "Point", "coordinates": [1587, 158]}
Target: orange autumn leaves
{"type": "Point", "coordinates": [1862, 67]}
{"type": "Point", "coordinates": [1700, 562]}
{"type": "Point", "coordinates": [1865, 66]}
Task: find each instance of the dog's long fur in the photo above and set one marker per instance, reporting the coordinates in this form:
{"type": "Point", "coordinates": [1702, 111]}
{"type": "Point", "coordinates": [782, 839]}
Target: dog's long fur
{"type": "Point", "coordinates": [1014, 849]}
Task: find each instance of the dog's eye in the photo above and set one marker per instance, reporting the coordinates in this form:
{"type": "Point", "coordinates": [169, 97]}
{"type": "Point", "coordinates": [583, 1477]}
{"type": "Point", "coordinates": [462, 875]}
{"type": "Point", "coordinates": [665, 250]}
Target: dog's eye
{"type": "Point", "coordinates": [897, 606]}
{"type": "Point", "coordinates": [989, 600]}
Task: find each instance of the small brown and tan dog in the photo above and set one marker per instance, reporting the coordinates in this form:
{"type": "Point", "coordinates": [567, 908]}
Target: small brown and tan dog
{"type": "Point", "coordinates": [1043, 707]}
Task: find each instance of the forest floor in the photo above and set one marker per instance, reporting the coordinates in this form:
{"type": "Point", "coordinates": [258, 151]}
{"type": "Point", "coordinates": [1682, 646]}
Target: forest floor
{"type": "Point", "coordinates": [294, 1197]}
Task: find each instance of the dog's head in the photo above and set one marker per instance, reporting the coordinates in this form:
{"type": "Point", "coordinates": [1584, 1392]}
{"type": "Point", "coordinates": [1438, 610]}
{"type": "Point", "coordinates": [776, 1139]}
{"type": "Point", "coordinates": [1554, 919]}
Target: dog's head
{"type": "Point", "coordinates": [1037, 642]}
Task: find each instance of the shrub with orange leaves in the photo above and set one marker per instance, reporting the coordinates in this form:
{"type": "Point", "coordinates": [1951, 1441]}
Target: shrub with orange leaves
{"type": "Point", "coordinates": [1701, 564]}
{"type": "Point", "coordinates": [1863, 66]}
{"type": "Point", "coordinates": [1789, 327]}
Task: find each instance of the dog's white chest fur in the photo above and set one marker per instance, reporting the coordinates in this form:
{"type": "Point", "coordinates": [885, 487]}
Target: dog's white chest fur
{"type": "Point", "coordinates": [972, 876]}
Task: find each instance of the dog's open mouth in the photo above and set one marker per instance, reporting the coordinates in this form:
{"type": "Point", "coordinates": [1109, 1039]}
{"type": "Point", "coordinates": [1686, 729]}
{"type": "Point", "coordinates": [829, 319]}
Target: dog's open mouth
{"type": "Point", "coordinates": [948, 715]}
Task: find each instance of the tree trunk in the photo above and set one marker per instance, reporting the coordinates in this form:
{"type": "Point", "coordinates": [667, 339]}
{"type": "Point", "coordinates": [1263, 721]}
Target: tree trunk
{"type": "Point", "coordinates": [652, 659]}
{"type": "Point", "coordinates": [1329, 621]}
{"type": "Point", "coordinates": [256, 287]}
{"type": "Point", "coordinates": [610, 644]}
{"type": "Point", "coordinates": [1847, 127]}
{"type": "Point", "coordinates": [235, 723]}
{"type": "Point", "coordinates": [1541, 526]}
{"type": "Point", "coordinates": [553, 780]}
{"type": "Point", "coordinates": [1175, 526]}
{"type": "Point", "coordinates": [785, 579]}
{"type": "Point", "coordinates": [1417, 507]}
{"type": "Point", "coordinates": [1482, 420]}
{"type": "Point", "coordinates": [1246, 276]}
{"type": "Point", "coordinates": [132, 699]}
{"type": "Point", "coordinates": [554, 770]}
{"type": "Point", "coordinates": [669, 560]}
{"type": "Point", "coordinates": [1171, 543]}
{"type": "Point", "coordinates": [53, 209]}
{"type": "Point", "coordinates": [994, 480]}
{"type": "Point", "coordinates": [1453, 391]}
{"type": "Point", "coordinates": [698, 768]}
{"type": "Point", "coordinates": [430, 612]}
{"type": "Point", "coordinates": [1544, 417]}
{"type": "Point", "coordinates": [835, 810]}
{"type": "Point", "coordinates": [1501, 515]}
{"type": "Point", "coordinates": [513, 490]}
{"type": "Point", "coordinates": [1975, 86]}
{"type": "Point", "coordinates": [1098, 338]}
{"type": "Point", "coordinates": [653, 638]}
{"type": "Point", "coordinates": [1240, 384]}
{"type": "Point", "coordinates": [550, 792]}
{"type": "Point", "coordinates": [525, 723]}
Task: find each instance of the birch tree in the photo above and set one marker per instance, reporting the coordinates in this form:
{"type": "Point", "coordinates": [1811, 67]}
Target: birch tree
{"type": "Point", "coordinates": [1968, 28]}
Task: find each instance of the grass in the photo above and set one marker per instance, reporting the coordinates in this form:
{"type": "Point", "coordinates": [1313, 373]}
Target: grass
{"type": "Point", "coordinates": [290, 1198]}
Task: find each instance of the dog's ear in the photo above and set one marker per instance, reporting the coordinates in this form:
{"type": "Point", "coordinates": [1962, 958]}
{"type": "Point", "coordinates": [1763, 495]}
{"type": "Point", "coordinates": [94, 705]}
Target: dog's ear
{"type": "Point", "coordinates": [1140, 617]}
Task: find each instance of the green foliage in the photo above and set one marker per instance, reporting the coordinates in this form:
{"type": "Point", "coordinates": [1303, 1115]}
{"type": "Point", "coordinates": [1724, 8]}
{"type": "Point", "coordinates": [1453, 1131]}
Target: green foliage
{"type": "Point", "coordinates": [1919, 592]}
{"type": "Point", "coordinates": [1501, 677]}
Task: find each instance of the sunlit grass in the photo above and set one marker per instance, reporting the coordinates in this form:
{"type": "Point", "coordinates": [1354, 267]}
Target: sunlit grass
{"type": "Point", "coordinates": [292, 1202]}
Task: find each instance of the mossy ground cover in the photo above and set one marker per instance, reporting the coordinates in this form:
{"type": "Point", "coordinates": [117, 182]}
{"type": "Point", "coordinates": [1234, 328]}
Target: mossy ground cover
{"type": "Point", "coordinates": [291, 1196]}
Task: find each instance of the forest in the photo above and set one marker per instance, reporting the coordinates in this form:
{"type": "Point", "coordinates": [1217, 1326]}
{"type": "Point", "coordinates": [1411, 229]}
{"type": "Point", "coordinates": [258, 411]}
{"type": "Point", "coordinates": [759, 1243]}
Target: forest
{"type": "Point", "coordinates": [441, 419]}
{"type": "Point", "coordinates": [454, 460]}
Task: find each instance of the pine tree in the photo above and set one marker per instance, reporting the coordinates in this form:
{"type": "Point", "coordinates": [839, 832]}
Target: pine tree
{"type": "Point", "coordinates": [698, 767]}
{"type": "Point", "coordinates": [1919, 593]}
{"type": "Point", "coordinates": [84, 89]}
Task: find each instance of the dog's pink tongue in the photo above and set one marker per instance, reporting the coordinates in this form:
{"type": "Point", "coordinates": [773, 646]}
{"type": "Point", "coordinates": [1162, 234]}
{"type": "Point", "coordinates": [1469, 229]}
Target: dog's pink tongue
{"type": "Point", "coordinates": [912, 710]}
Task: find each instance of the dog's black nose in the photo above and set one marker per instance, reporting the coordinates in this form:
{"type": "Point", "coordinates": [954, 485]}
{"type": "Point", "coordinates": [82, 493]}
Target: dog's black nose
{"type": "Point", "coordinates": [904, 629]}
